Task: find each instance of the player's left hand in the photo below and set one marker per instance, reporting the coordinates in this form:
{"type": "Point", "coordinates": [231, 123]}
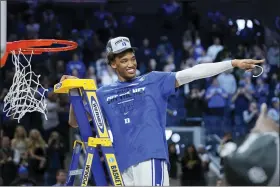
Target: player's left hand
{"type": "Point", "coordinates": [246, 64]}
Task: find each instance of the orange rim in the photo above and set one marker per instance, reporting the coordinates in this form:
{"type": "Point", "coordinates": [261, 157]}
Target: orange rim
{"type": "Point", "coordinates": [37, 47]}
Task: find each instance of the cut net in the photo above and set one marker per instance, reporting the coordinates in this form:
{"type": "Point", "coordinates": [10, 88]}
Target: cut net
{"type": "Point", "coordinates": [26, 93]}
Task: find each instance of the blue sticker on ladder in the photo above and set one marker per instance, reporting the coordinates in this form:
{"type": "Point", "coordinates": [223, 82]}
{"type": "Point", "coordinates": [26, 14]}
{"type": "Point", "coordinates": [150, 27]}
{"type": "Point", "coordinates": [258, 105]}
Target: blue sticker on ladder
{"type": "Point", "coordinates": [97, 115]}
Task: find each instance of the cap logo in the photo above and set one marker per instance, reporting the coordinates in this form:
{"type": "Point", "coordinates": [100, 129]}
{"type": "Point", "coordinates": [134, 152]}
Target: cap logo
{"type": "Point", "coordinates": [121, 40]}
{"type": "Point", "coordinates": [117, 45]}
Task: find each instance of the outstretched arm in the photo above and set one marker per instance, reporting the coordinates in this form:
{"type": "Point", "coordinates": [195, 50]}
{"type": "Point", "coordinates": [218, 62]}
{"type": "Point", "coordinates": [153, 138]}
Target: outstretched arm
{"type": "Point", "coordinates": [201, 71]}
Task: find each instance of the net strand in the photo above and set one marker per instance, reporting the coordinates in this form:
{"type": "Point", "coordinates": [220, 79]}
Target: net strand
{"type": "Point", "coordinates": [23, 97]}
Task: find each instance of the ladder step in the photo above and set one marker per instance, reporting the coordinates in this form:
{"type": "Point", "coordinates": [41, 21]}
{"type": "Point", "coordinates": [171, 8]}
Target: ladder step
{"type": "Point", "coordinates": [76, 172]}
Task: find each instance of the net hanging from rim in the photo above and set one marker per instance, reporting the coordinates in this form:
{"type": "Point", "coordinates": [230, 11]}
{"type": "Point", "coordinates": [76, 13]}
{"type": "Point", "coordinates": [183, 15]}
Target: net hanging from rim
{"type": "Point", "coordinates": [26, 94]}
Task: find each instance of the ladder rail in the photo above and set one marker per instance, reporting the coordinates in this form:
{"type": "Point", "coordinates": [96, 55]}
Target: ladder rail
{"type": "Point", "coordinates": [84, 91]}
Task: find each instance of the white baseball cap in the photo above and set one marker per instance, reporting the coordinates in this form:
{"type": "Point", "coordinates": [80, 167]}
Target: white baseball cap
{"type": "Point", "coordinates": [118, 45]}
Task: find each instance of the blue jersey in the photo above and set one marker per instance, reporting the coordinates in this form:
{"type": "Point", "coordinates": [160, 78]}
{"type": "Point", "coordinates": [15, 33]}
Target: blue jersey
{"type": "Point", "coordinates": [136, 113]}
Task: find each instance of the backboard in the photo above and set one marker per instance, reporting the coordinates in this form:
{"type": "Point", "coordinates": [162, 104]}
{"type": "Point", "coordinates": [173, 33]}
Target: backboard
{"type": "Point", "coordinates": [3, 21]}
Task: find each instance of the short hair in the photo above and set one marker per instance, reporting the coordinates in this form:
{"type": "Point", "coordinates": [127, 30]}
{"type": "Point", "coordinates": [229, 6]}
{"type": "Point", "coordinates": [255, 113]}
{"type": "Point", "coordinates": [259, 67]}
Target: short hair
{"type": "Point", "coordinates": [111, 56]}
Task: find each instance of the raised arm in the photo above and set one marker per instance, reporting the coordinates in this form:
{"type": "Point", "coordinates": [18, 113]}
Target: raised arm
{"type": "Point", "coordinates": [201, 71]}
{"type": "Point", "coordinates": [72, 119]}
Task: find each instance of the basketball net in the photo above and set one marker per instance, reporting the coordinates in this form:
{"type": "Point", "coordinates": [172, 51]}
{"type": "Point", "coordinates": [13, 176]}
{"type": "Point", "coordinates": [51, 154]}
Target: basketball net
{"type": "Point", "coordinates": [26, 93]}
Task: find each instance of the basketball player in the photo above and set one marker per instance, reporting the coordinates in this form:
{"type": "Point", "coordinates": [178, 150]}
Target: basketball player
{"type": "Point", "coordinates": [135, 108]}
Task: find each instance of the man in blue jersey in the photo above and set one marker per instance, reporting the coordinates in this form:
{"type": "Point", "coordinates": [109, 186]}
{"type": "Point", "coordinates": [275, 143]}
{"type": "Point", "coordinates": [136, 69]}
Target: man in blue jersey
{"type": "Point", "coordinates": [135, 108]}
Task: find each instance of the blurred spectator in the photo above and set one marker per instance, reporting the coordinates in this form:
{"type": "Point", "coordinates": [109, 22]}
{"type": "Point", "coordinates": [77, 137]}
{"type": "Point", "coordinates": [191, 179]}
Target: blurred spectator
{"type": "Point", "coordinates": [60, 178]}
{"type": "Point", "coordinates": [257, 53]}
{"type": "Point", "coordinates": [47, 26]}
{"type": "Point", "coordinates": [32, 28]}
{"type": "Point", "coordinates": [171, 8]}
{"type": "Point", "coordinates": [194, 103]}
{"type": "Point", "coordinates": [198, 49]}
{"type": "Point", "coordinates": [173, 159]}
{"type": "Point", "coordinates": [226, 138]}
{"type": "Point", "coordinates": [145, 50]}
{"type": "Point", "coordinates": [216, 99]}
{"type": "Point", "coordinates": [273, 84]}
{"type": "Point", "coordinates": [247, 83]}
{"type": "Point", "coordinates": [144, 54]}
{"type": "Point", "coordinates": [76, 36]}
{"type": "Point", "coordinates": [250, 116]}
{"type": "Point", "coordinates": [169, 66]}
{"type": "Point", "coordinates": [91, 73]}
{"type": "Point", "coordinates": [101, 64]}
{"type": "Point", "coordinates": [266, 71]}
{"type": "Point", "coordinates": [56, 156]}
{"type": "Point", "coordinates": [128, 19]}
{"type": "Point", "coordinates": [277, 90]}
{"type": "Point", "coordinates": [102, 13]}
{"type": "Point", "coordinates": [273, 112]}
{"type": "Point", "coordinates": [8, 168]}
{"type": "Point", "coordinates": [164, 49]}
{"type": "Point", "coordinates": [204, 58]}
{"type": "Point", "coordinates": [59, 69]}
{"type": "Point", "coordinates": [8, 78]}
{"type": "Point", "coordinates": [152, 66]}
{"type": "Point", "coordinates": [24, 159]}
{"type": "Point", "coordinates": [215, 48]}
{"type": "Point", "coordinates": [6, 148]}
{"type": "Point", "coordinates": [171, 12]}
{"type": "Point", "coordinates": [187, 40]}
{"type": "Point", "coordinates": [187, 44]}
{"type": "Point", "coordinates": [76, 65]}
{"type": "Point", "coordinates": [223, 55]}
{"type": "Point", "coordinates": [192, 173]}
{"type": "Point", "coordinates": [52, 121]}
{"type": "Point", "coordinates": [3, 94]}
{"type": "Point", "coordinates": [23, 178]}
{"type": "Point", "coordinates": [241, 52]}
{"type": "Point", "coordinates": [108, 77]}
{"type": "Point", "coordinates": [190, 61]}
{"type": "Point", "coordinates": [110, 24]}
{"type": "Point", "coordinates": [9, 125]}
{"type": "Point", "coordinates": [37, 152]}
{"type": "Point", "coordinates": [273, 56]}
{"type": "Point", "coordinates": [205, 159]}
{"type": "Point", "coordinates": [87, 31]}
{"type": "Point", "coordinates": [216, 29]}
{"type": "Point", "coordinates": [227, 82]}
{"type": "Point", "coordinates": [96, 47]}
{"type": "Point", "coordinates": [241, 100]}
{"type": "Point", "coordinates": [262, 91]}
{"type": "Point", "coordinates": [19, 142]}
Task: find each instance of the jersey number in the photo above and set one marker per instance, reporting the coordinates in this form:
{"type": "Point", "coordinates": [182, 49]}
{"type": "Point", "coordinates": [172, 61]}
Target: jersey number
{"type": "Point", "coordinates": [127, 120]}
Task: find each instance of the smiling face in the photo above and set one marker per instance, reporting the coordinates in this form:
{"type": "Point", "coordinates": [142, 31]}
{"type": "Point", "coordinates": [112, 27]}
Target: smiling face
{"type": "Point", "coordinates": [125, 65]}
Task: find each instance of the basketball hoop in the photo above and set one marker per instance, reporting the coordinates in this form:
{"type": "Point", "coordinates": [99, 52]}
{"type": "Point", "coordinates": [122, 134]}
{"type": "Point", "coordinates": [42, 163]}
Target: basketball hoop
{"type": "Point", "coordinates": [36, 47]}
{"type": "Point", "coordinates": [26, 93]}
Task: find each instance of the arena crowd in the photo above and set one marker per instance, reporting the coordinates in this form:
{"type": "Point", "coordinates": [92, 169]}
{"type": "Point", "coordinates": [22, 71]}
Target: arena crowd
{"type": "Point", "coordinates": [34, 151]}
